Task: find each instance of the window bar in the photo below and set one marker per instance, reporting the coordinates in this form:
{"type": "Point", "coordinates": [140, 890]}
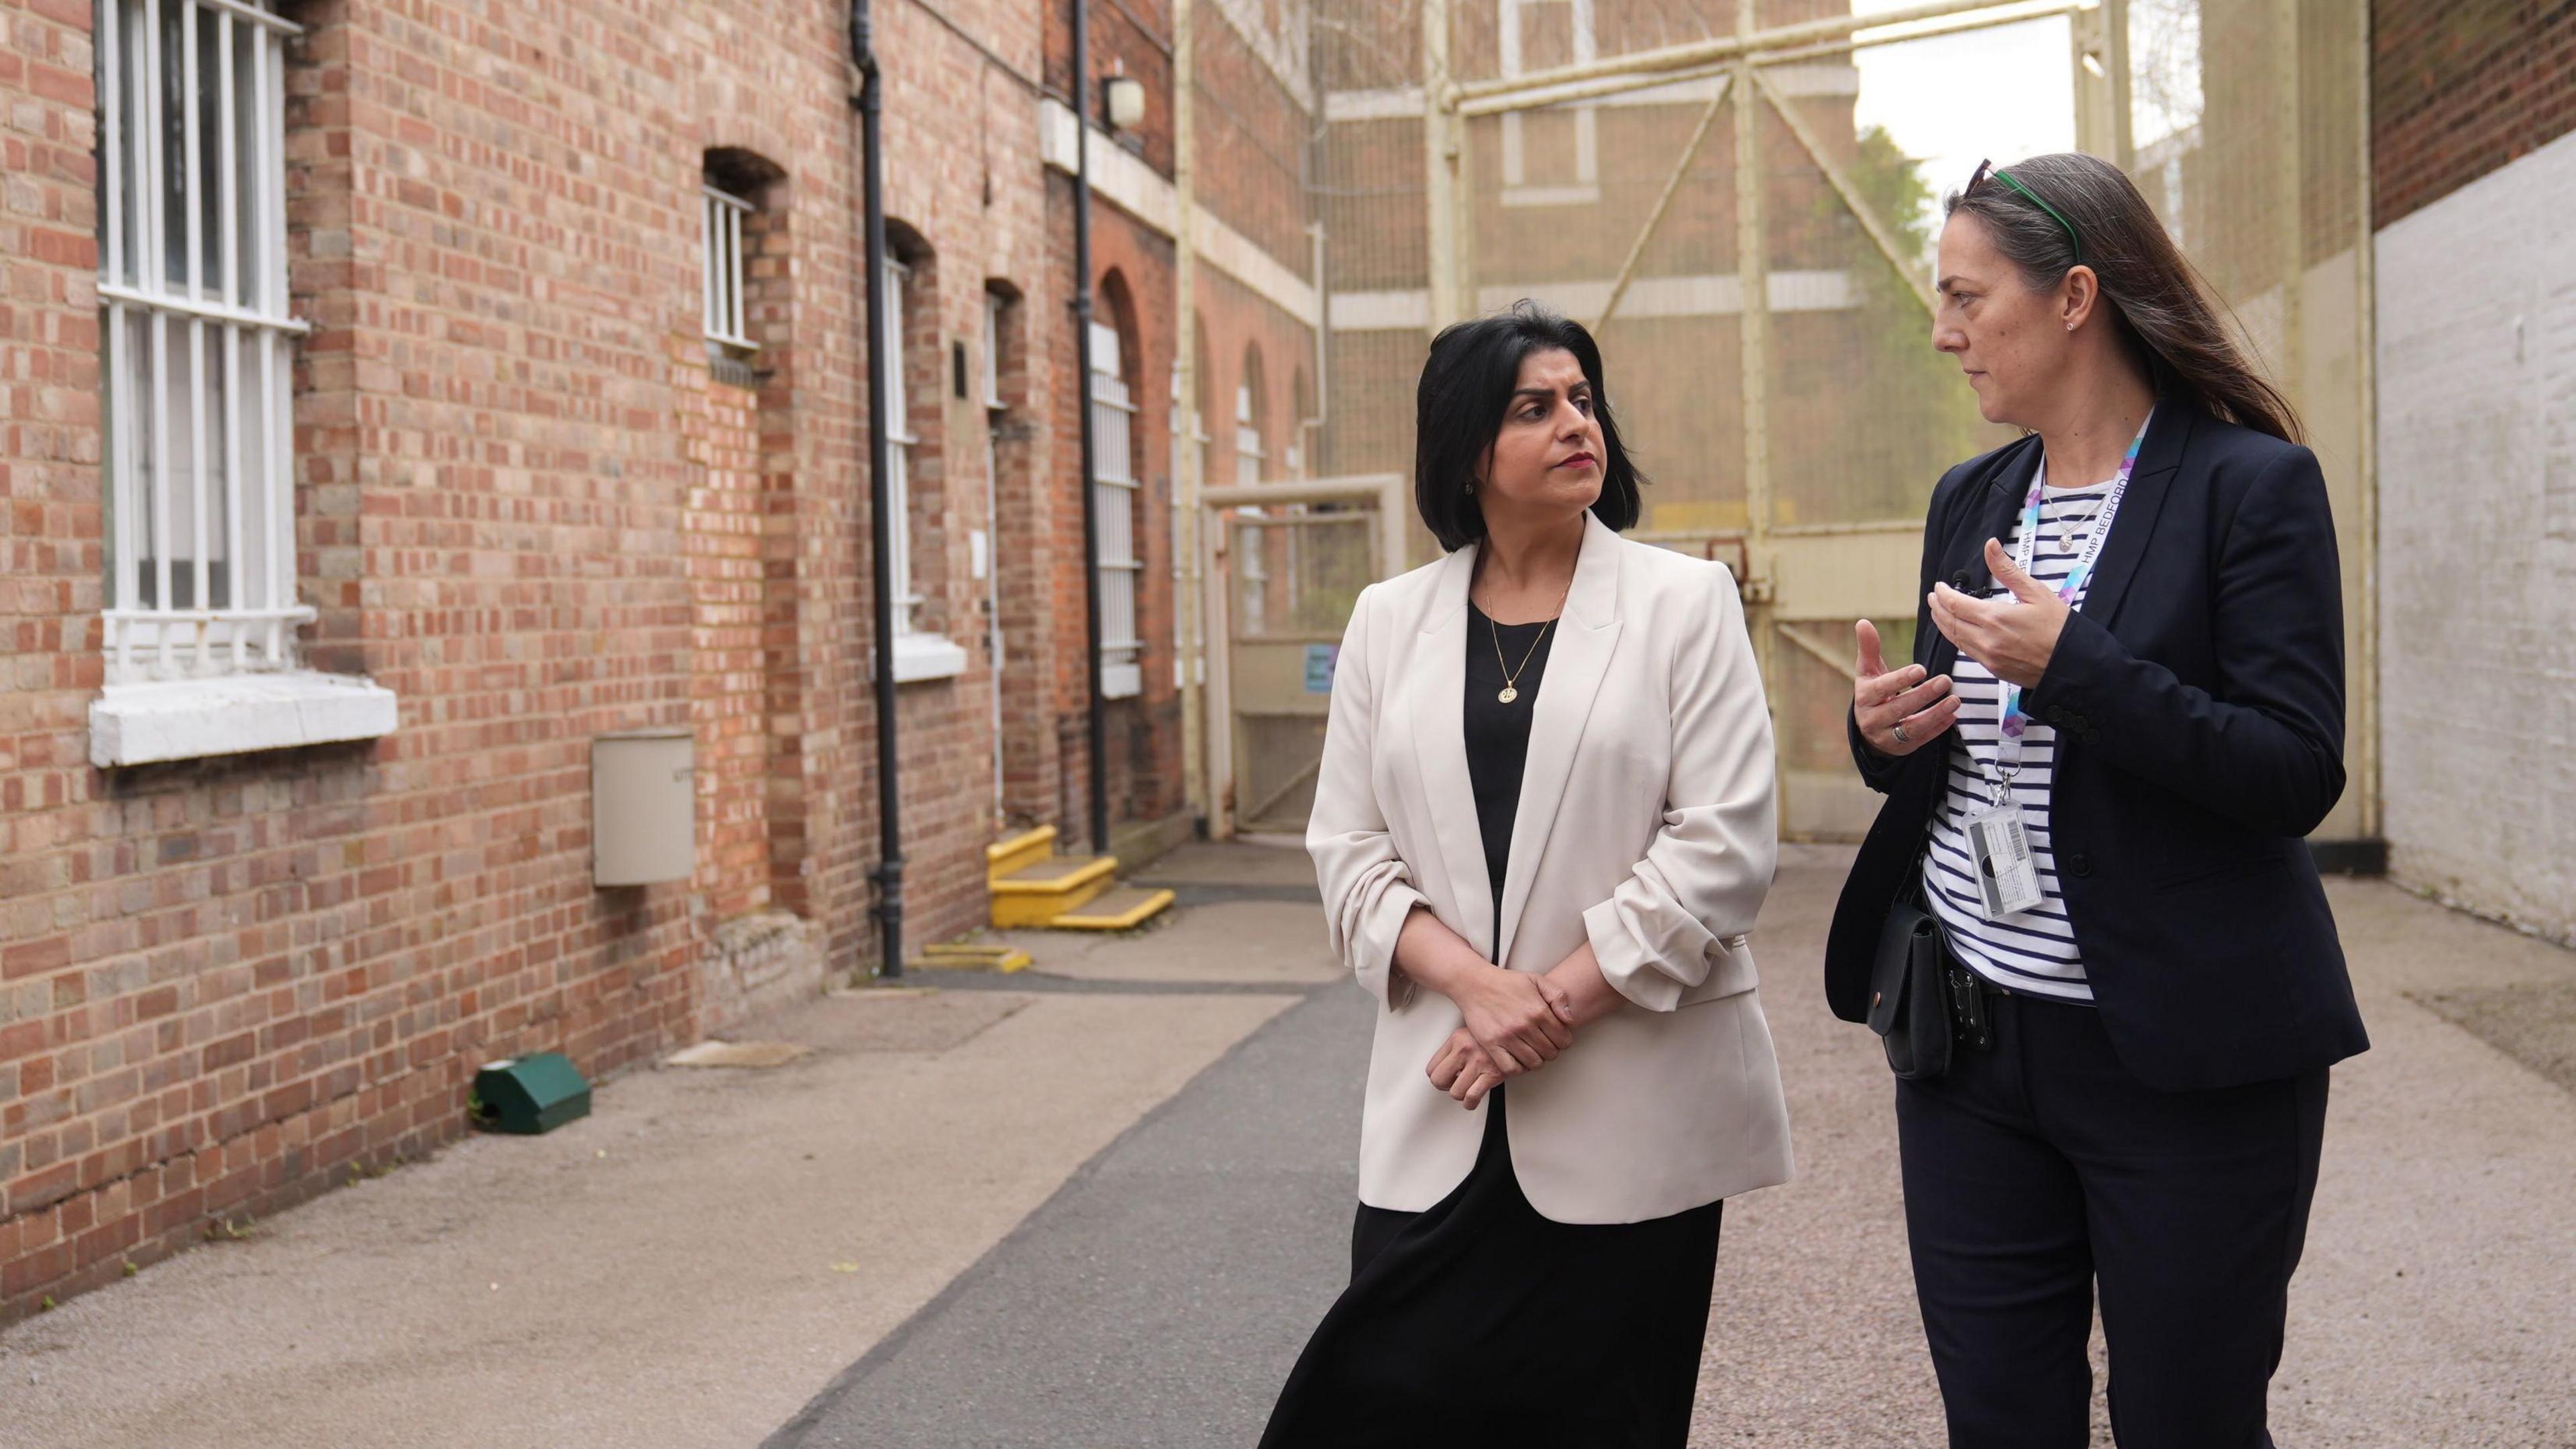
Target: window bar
{"type": "Point", "coordinates": [227, 163]}
{"type": "Point", "coordinates": [731, 277]}
{"type": "Point", "coordinates": [736, 275]}
{"type": "Point", "coordinates": [129, 569]}
{"type": "Point", "coordinates": [707, 269]}
{"type": "Point", "coordinates": [249, 11]}
{"type": "Point", "coordinates": [197, 597]}
{"type": "Point", "coordinates": [151, 270]}
{"type": "Point", "coordinates": [192, 181]}
{"type": "Point", "coordinates": [232, 488]}
{"type": "Point", "coordinates": [277, 468]}
{"type": "Point", "coordinates": [111, 22]}
{"type": "Point", "coordinates": [277, 474]}
{"type": "Point", "coordinates": [160, 501]}
{"type": "Point", "coordinates": [272, 174]}
{"type": "Point", "coordinates": [227, 190]}
{"type": "Point", "coordinates": [191, 175]}
{"type": "Point", "coordinates": [119, 354]}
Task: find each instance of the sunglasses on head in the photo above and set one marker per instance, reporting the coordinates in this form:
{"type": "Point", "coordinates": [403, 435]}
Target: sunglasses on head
{"type": "Point", "coordinates": [1986, 171]}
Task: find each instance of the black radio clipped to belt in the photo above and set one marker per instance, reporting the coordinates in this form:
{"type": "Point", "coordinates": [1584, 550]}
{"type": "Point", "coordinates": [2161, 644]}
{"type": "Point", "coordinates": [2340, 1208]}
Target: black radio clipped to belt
{"type": "Point", "coordinates": [1969, 1024]}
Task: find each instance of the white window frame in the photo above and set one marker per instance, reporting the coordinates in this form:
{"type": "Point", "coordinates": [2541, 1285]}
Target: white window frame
{"type": "Point", "coordinates": [197, 418]}
{"type": "Point", "coordinates": [918, 655]}
{"type": "Point", "coordinates": [1585, 187]}
{"type": "Point", "coordinates": [1115, 489]}
{"type": "Point", "coordinates": [1251, 547]}
{"type": "Point", "coordinates": [899, 440]}
{"type": "Point", "coordinates": [1249, 457]}
{"type": "Point", "coordinates": [993, 304]}
{"type": "Point", "coordinates": [725, 312]}
{"type": "Point", "coordinates": [1198, 435]}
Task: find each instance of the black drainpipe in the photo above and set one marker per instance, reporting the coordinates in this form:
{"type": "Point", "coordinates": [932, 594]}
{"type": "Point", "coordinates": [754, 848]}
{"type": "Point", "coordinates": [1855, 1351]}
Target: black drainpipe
{"type": "Point", "coordinates": [889, 872]}
{"type": "Point", "coordinates": [1082, 369]}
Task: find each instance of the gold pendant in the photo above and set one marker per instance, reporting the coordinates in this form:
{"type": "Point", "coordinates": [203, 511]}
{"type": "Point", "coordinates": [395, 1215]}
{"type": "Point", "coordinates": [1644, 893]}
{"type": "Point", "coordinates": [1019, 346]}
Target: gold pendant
{"type": "Point", "coordinates": [1508, 695]}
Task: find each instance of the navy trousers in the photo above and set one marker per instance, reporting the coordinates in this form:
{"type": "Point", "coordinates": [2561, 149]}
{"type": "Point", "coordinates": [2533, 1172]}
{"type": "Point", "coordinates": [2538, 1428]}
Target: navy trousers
{"type": "Point", "coordinates": [2040, 1169]}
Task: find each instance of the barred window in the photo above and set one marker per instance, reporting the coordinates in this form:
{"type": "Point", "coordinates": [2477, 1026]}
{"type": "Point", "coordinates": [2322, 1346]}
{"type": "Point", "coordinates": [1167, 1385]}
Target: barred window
{"type": "Point", "coordinates": [1114, 488]}
{"type": "Point", "coordinates": [993, 352]}
{"type": "Point", "coordinates": [723, 268]}
{"type": "Point", "coordinates": [900, 440]}
{"type": "Point", "coordinates": [1252, 539]}
{"type": "Point", "coordinates": [1550, 157]}
{"type": "Point", "coordinates": [200, 526]}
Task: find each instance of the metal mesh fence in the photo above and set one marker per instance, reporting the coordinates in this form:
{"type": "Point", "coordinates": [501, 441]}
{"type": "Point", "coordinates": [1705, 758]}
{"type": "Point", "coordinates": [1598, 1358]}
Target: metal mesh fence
{"type": "Point", "coordinates": [1761, 295]}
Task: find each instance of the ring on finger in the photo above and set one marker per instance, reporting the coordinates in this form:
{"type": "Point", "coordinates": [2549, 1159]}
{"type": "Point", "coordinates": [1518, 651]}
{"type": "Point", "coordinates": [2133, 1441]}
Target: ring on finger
{"type": "Point", "coordinates": [1899, 732]}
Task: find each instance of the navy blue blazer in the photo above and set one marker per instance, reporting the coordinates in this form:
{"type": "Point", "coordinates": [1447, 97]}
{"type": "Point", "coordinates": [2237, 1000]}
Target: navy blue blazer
{"type": "Point", "coordinates": [2198, 698]}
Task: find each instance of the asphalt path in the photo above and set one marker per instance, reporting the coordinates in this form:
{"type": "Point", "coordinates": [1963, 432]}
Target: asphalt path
{"type": "Point", "coordinates": [1160, 1297]}
{"type": "Point", "coordinates": [1161, 1294]}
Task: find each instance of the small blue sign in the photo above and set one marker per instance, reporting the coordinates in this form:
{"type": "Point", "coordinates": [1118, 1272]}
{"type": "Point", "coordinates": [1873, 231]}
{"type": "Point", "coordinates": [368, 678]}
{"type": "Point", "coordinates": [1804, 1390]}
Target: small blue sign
{"type": "Point", "coordinates": [1320, 659]}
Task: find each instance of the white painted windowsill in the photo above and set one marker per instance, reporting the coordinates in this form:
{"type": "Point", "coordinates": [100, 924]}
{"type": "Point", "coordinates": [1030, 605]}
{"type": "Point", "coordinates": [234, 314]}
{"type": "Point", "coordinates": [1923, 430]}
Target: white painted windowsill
{"type": "Point", "coordinates": [926, 656]}
{"type": "Point", "coordinates": [190, 719]}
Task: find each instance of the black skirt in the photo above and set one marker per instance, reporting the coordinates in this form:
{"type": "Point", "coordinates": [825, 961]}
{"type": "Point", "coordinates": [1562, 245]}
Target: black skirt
{"type": "Point", "coordinates": [1479, 1318]}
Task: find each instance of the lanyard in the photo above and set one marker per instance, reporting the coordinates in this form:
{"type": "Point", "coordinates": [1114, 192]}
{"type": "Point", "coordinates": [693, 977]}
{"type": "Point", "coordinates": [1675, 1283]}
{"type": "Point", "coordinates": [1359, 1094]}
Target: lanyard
{"type": "Point", "coordinates": [2014, 721]}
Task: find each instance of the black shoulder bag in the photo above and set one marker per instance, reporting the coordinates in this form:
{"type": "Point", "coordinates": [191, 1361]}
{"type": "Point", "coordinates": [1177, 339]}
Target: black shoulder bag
{"type": "Point", "coordinates": [1908, 1006]}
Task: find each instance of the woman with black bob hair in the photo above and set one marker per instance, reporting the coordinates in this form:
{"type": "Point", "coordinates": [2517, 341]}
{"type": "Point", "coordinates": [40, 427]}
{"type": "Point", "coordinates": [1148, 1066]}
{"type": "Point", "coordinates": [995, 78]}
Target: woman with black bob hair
{"type": "Point", "coordinates": [2086, 920]}
{"type": "Point", "coordinates": [1542, 826]}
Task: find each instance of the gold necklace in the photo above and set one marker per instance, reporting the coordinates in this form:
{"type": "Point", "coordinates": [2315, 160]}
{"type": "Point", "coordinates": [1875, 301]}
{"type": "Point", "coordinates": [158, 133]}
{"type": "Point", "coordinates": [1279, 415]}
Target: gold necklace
{"type": "Point", "coordinates": [1511, 676]}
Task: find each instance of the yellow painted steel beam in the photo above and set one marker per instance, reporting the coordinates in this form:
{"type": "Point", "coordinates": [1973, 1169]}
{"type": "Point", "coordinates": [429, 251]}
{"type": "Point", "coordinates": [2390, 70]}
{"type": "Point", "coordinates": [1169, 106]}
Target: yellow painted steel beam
{"type": "Point", "coordinates": [1746, 40]}
{"type": "Point", "coordinates": [1625, 83]}
{"type": "Point", "coordinates": [1655, 217]}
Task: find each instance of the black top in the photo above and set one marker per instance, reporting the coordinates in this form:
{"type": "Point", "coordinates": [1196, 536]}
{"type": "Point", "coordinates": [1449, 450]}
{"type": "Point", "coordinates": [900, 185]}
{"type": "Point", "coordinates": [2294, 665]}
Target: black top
{"type": "Point", "coordinates": [2198, 700]}
{"type": "Point", "coordinates": [1498, 733]}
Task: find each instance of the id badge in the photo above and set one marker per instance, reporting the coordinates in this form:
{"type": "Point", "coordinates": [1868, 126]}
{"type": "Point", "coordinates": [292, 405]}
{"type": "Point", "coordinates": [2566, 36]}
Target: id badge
{"type": "Point", "coordinates": [2007, 877]}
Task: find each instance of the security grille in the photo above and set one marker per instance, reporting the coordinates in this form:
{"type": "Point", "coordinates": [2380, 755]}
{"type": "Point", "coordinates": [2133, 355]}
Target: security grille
{"type": "Point", "coordinates": [1114, 489]}
{"type": "Point", "coordinates": [192, 280]}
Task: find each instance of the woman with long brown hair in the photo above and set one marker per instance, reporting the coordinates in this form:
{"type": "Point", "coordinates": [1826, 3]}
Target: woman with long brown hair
{"type": "Point", "coordinates": [2085, 919]}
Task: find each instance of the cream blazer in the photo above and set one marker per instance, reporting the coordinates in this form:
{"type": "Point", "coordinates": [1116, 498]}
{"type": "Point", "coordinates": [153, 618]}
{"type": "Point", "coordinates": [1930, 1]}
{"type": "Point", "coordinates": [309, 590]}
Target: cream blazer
{"type": "Point", "coordinates": [1645, 825]}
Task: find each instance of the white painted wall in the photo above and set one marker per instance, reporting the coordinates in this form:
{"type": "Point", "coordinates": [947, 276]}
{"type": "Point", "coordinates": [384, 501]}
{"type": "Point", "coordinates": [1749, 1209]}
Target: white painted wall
{"type": "Point", "coordinates": [2477, 478]}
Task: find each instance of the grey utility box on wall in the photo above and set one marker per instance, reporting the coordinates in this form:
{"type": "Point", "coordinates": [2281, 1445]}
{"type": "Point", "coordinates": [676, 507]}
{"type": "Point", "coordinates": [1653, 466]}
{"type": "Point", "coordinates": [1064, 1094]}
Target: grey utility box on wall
{"type": "Point", "coordinates": [643, 806]}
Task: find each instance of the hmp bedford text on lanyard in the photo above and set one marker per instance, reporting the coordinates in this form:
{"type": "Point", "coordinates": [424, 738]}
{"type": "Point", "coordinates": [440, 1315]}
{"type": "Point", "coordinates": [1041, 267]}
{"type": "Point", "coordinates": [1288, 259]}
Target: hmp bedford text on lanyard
{"type": "Point", "coordinates": [2007, 876]}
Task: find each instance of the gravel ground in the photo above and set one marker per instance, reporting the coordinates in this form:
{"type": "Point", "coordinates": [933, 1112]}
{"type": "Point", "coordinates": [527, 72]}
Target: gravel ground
{"type": "Point", "coordinates": [2433, 1305]}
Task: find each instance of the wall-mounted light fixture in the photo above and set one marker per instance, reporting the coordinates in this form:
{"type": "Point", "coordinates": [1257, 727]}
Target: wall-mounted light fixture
{"type": "Point", "coordinates": [1123, 97]}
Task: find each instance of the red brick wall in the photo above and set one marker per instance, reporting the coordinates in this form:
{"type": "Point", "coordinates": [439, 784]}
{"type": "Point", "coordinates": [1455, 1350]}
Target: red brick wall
{"type": "Point", "coordinates": [728, 687]}
{"type": "Point", "coordinates": [522, 507]}
{"type": "Point", "coordinates": [49, 641]}
{"type": "Point", "coordinates": [2459, 88]}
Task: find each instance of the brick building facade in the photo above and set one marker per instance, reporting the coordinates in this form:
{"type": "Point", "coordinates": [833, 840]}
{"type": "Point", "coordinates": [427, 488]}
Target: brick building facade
{"type": "Point", "coordinates": [549, 478]}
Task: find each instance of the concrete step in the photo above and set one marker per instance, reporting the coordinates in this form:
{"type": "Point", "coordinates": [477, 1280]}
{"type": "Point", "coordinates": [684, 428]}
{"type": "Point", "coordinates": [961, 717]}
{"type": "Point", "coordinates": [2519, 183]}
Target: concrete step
{"type": "Point", "coordinates": [1122, 909]}
{"type": "Point", "coordinates": [1027, 848]}
{"type": "Point", "coordinates": [1034, 895]}
{"type": "Point", "coordinates": [973, 956]}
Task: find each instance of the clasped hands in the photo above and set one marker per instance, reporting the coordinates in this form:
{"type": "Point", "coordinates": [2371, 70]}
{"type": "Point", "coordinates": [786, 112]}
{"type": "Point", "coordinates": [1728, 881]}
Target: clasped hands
{"type": "Point", "coordinates": [1900, 711]}
{"type": "Point", "coordinates": [1516, 1023]}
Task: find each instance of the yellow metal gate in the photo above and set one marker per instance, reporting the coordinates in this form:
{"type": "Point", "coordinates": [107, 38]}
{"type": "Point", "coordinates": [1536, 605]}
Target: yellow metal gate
{"type": "Point", "coordinates": [1292, 557]}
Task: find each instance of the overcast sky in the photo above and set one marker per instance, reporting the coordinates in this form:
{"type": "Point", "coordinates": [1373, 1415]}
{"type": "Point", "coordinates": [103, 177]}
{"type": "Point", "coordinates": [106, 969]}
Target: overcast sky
{"type": "Point", "coordinates": [1954, 100]}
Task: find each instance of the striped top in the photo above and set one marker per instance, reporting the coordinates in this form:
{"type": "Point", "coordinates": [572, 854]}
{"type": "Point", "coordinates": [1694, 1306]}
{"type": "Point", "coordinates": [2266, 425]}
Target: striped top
{"type": "Point", "coordinates": [2031, 950]}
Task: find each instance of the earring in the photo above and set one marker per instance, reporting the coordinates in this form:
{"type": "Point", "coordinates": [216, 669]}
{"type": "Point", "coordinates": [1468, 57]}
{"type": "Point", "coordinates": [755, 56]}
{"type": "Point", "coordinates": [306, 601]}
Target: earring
{"type": "Point", "coordinates": [1469, 488]}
